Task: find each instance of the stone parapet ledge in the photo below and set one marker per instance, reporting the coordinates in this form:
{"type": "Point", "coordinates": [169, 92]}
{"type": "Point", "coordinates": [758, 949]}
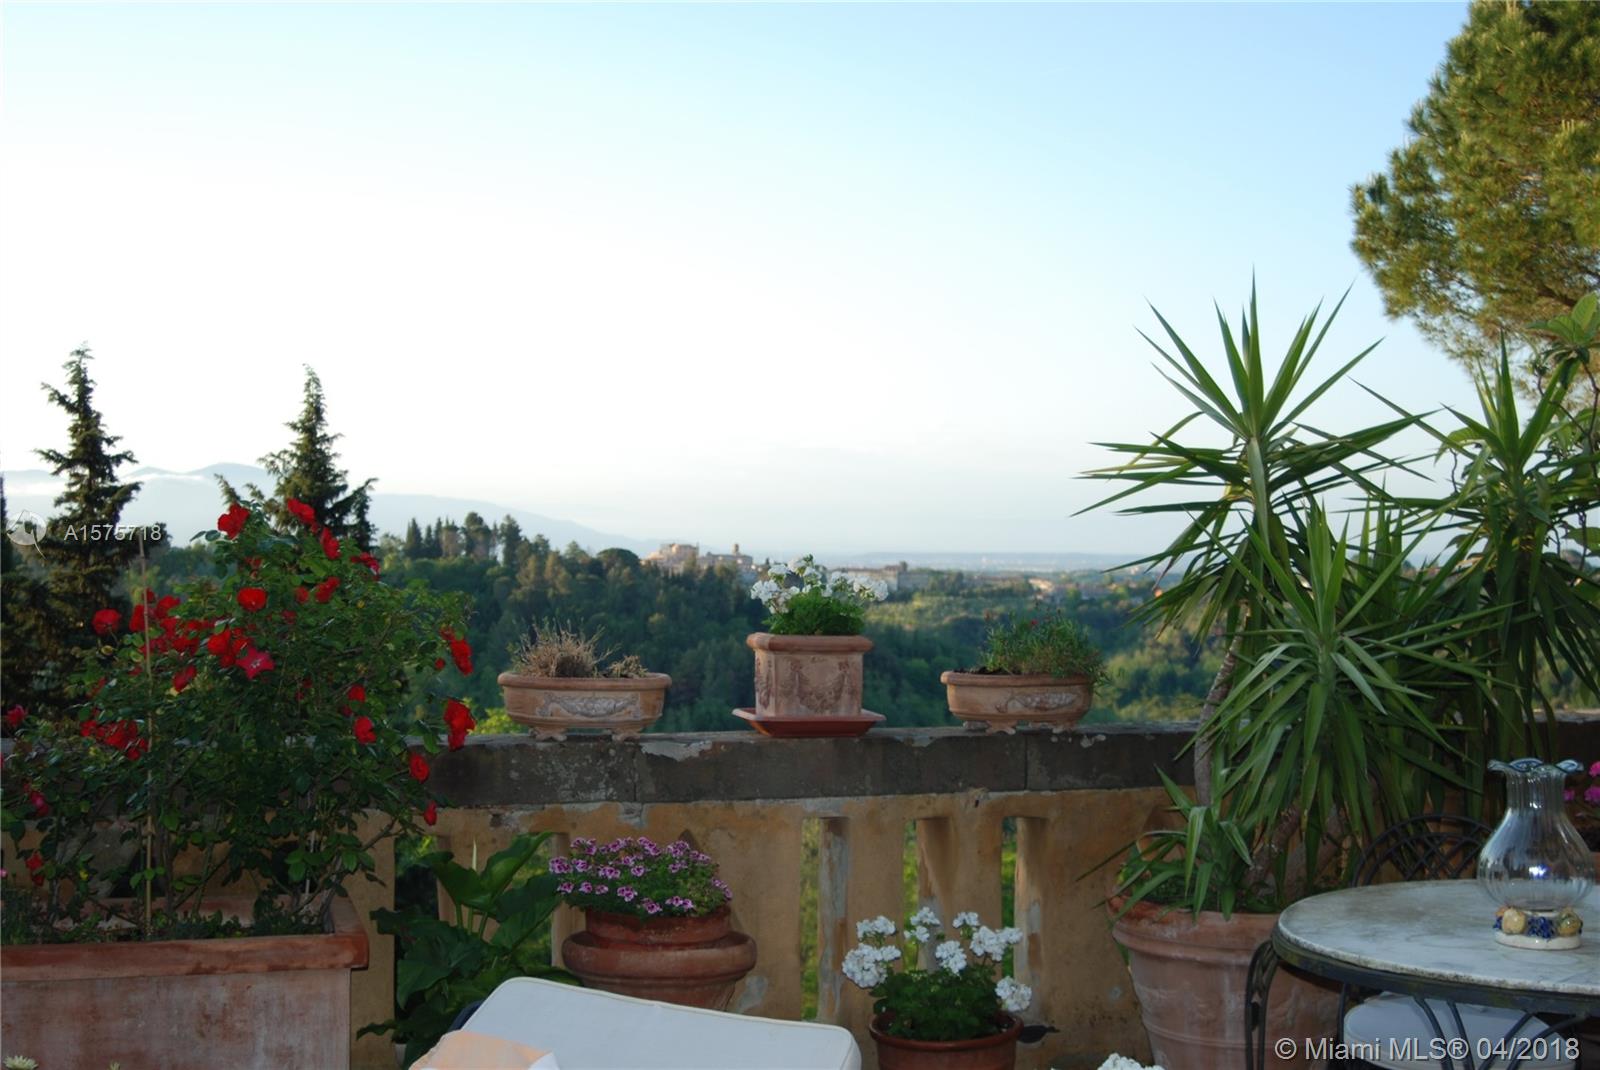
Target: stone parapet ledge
{"type": "Point", "coordinates": [516, 771]}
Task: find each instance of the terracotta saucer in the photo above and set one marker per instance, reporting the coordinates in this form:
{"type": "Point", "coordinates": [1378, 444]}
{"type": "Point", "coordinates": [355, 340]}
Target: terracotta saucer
{"type": "Point", "coordinates": [809, 727]}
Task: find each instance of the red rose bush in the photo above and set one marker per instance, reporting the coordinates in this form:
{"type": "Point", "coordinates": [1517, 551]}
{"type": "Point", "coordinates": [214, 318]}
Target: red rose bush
{"type": "Point", "coordinates": [233, 736]}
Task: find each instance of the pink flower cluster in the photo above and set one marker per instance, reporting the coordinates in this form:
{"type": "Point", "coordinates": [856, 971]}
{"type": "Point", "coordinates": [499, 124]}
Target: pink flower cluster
{"type": "Point", "coordinates": [635, 875]}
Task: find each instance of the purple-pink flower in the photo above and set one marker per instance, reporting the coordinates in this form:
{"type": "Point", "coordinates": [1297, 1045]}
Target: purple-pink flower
{"type": "Point", "coordinates": [585, 887]}
{"type": "Point", "coordinates": [627, 893]}
{"type": "Point", "coordinates": [564, 887]}
{"type": "Point", "coordinates": [652, 907]}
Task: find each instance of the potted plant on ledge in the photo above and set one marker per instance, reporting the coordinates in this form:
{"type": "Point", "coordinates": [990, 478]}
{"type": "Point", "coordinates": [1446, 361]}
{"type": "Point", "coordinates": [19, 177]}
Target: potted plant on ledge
{"type": "Point", "coordinates": [809, 660]}
{"type": "Point", "coordinates": [953, 1013]}
{"type": "Point", "coordinates": [656, 922]}
{"type": "Point", "coordinates": [248, 736]}
{"type": "Point", "coordinates": [1038, 670]}
{"type": "Point", "coordinates": [559, 682]}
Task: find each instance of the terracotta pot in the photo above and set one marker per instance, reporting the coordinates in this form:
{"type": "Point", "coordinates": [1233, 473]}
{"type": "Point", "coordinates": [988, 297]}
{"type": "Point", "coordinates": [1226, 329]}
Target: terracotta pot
{"type": "Point", "coordinates": [997, 1052]}
{"type": "Point", "coordinates": [255, 1001]}
{"type": "Point", "coordinates": [692, 961]}
{"type": "Point", "coordinates": [554, 705]}
{"type": "Point", "coordinates": [998, 702]}
{"type": "Point", "coordinates": [808, 675]}
{"type": "Point", "coordinates": [1190, 978]}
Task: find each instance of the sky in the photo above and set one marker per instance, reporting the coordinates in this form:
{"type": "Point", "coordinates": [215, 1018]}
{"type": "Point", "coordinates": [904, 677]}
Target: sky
{"type": "Point", "coordinates": [842, 277]}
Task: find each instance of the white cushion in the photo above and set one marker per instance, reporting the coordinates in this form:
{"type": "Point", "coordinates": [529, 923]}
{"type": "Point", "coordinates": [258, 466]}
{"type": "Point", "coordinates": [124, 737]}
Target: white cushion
{"type": "Point", "coordinates": [1377, 1020]}
{"type": "Point", "coordinates": [591, 1030]}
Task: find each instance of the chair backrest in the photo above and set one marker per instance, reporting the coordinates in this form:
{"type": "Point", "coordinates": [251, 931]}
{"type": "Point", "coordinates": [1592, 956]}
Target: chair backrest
{"type": "Point", "coordinates": [1426, 848]}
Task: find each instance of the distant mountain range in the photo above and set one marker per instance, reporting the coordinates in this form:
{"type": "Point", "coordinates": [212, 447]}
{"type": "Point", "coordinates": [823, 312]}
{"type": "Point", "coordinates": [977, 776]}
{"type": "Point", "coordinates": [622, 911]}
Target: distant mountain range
{"type": "Point", "coordinates": [188, 502]}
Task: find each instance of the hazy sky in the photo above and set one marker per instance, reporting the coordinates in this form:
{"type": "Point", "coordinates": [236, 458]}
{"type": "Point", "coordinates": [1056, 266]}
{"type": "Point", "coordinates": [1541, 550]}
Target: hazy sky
{"type": "Point", "coordinates": [854, 277]}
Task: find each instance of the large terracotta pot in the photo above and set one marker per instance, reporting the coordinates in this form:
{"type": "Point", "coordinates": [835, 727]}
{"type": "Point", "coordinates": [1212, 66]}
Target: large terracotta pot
{"type": "Point", "coordinates": [554, 705]}
{"type": "Point", "coordinates": [692, 961]}
{"type": "Point", "coordinates": [997, 1052]}
{"type": "Point", "coordinates": [249, 1002]}
{"type": "Point", "coordinates": [1190, 978]}
{"type": "Point", "coordinates": [999, 702]}
{"type": "Point", "coordinates": [808, 675]}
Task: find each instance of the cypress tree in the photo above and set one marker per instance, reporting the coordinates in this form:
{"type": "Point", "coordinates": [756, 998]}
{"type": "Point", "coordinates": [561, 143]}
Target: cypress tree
{"type": "Point", "coordinates": [87, 551]}
{"type": "Point", "coordinates": [308, 470]}
{"type": "Point", "coordinates": [412, 547]}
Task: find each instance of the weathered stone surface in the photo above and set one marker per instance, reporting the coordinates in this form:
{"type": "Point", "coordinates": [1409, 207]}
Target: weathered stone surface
{"type": "Point", "coordinates": [690, 767]}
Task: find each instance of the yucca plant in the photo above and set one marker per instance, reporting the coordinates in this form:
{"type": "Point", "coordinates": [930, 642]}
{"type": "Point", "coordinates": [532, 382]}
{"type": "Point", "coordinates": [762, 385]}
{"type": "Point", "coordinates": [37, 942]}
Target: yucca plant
{"type": "Point", "coordinates": [1273, 467]}
{"type": "Point", "coordinates": [1359, 687]}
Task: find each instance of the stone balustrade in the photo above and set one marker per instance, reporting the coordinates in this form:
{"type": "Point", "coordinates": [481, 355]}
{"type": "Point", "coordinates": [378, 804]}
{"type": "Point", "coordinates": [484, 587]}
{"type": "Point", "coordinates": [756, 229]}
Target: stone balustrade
{"type": "Point", "coordinates": [1075, 799]}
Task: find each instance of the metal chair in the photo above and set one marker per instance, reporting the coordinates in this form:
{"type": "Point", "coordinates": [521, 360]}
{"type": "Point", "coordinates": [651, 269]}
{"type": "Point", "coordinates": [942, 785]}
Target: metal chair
{"type": "Point", "coordinates": [1430, 847]}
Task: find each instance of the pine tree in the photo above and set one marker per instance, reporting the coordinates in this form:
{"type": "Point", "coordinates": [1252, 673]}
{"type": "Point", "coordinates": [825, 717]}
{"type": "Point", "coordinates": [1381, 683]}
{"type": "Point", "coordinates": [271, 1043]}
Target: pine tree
{"type": "Point", "coordinates": [513, 545]}
{"type": "Point", "coordinates": [308, 470]}
{"type": "Point", "coordinates": [1488, 217]}
{"type": "Point", "coordinates": [88, 550]}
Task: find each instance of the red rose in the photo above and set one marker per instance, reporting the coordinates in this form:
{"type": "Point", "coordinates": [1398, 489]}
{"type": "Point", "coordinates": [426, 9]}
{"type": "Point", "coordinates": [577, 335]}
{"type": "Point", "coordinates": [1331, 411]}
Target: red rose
{"type": "Point", "coordinates": [106, 621]}
{"type": "Point", "coordinates": [462, 653]}
{"type": "Point", "coordinates": [301, 511]}
{"type": "Point", "coordinates": [255, 662]}
{"type": "Point", "coordinates": [363, 730]}
{"type": "Point", "coordinates": [232, 522]}
{"type": "Point", "coordinates": [40, 807]}
{"type": "Point", "coordinates": [252, 598]}
{"type": "Point", "coordinates": [326, 588]}
{"type": "Point", "coordinates": [136, 620]}
{"type": "Point", "coordinates": [368, 560]}
{"type": "Point", "coordinates": [166, 606]}
{"type": "Point", "coordinates": [459, 720]}
{"type": "Point", "coordinates": [357, 693]}
{"type": "Point", "coordinates": [35, 862]}
{"type": "Point", "coordinates": [419, 768]}
{"type": "Point", "coordinates": [218, 643]}
{"type": "Point", "coordinates": [330, 545]}
{"type": "Point", "coordinates": [301, 594]}
{"type": "Point", "coordinates": [438, 663]}
{"type": "Point", "coordinates": [13, 717]}
{"type": "Point", "coordinates": [86, 727]}
{"type": "Point", "coordinates": [430, 813]}
{"type": "Point", "coordinates": [182, 678]}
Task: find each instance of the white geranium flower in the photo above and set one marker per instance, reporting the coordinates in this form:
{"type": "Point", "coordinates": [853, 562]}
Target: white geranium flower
{"type": "Point", "coordinates": [926, 916]}
{"type": "Point", "coordinates": [862, 967]}
{"type": "Point", "coordinates": [778, 571]}
{"type": "Point", "coordinates": [950, 956]}
{"type": "Point", "coordinates": [1011, 936]}
{"type": "Point", "coordinates": [967, 919]}
{"type": "Point", "coordinates": [1014, 995]}
{"type": "Point", "coordinates": [878, 926]}
{"type": "Point", "coordinates": [880, 590]}
{"type": "Point", "coordinates": [987, 944]}
{"type": "Point", "coordinates": [1122, 1062]}
{"type": "Point", "coordinates": [888, 953]}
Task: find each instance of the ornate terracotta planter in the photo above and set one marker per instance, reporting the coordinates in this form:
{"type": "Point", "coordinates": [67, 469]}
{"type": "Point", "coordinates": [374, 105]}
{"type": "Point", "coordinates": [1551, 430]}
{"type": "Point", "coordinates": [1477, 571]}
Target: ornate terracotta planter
{"type": "Point", "coordinates": [695, 962]}
{"type": "Point", "coordinates": [554, 705]}
{"type": "Point", "coordinates": [999, 702]}
{"type": "Point", "coordinates": [1190, 978]}
{"type": "Point", "coordinates": [185, 1004]}
{"type": "Point", "coordinates": [808, 675]}
{"type": "Point", "coordinates": [997, 1052]}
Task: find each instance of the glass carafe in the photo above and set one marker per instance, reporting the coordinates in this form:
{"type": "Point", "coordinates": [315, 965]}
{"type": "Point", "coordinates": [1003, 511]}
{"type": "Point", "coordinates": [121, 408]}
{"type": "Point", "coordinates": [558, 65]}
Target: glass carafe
{"type": "Point", "coordinates": [1536, 862]}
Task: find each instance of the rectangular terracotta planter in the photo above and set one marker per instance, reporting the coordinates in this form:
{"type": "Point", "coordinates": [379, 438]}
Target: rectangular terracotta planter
{"type": "Point", "coordinates": [257, 1001]}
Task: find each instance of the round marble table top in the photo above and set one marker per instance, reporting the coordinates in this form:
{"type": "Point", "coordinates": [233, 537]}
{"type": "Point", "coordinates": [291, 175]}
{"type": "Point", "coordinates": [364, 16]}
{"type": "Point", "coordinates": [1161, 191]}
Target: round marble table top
{"type": "Point", "coordinates": [1435, 936]}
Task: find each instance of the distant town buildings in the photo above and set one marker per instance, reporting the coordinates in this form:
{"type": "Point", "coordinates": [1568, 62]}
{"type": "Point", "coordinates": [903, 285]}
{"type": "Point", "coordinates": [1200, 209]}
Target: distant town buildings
{"type": "Point", "coordinates": [899, 578]}
{"type": "Point", "coordinates": [676, 558]}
